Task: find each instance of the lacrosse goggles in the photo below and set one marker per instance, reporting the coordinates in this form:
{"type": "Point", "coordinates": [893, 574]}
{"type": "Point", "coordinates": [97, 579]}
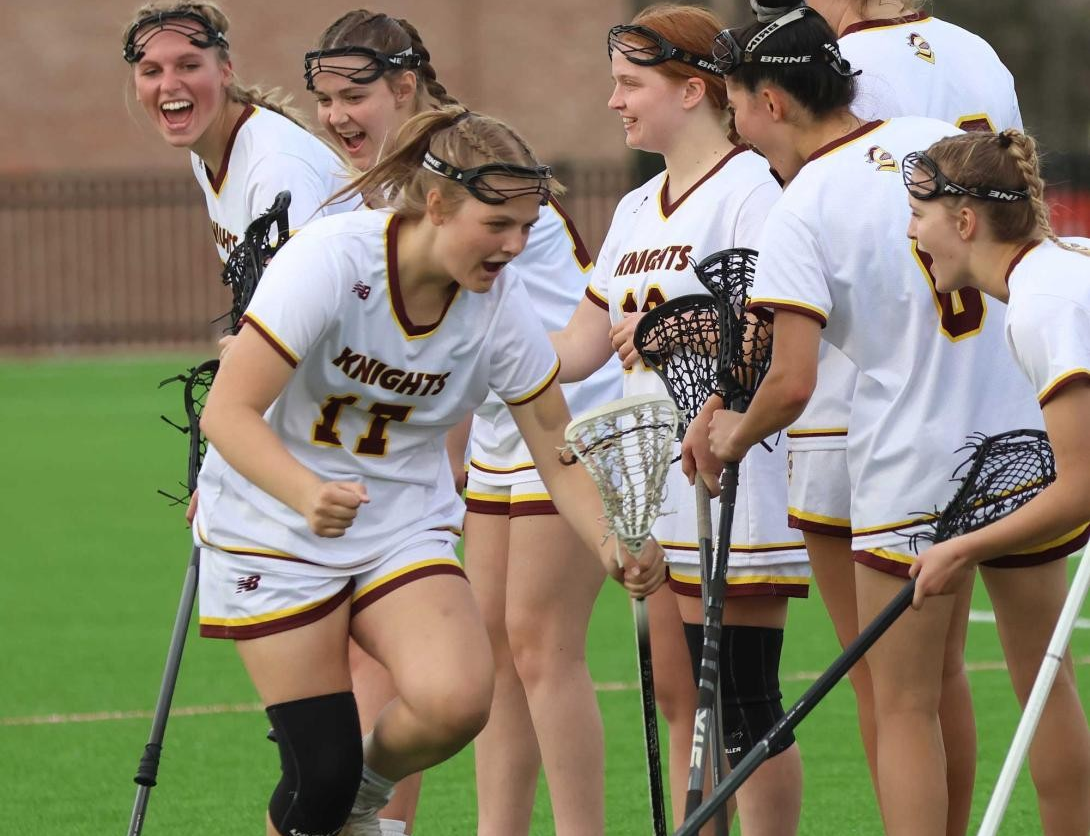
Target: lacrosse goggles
{"type": "Point", "coordinates": [189, 24]}
{"type": "Point", "coordinates": [492, 183]}
{"type": "Point", "coordinates": [324, 61]}
{"type": "Point", "coordinates": [651, 48]}
{"type": "Point", "coordinates": [925, 181]}
{"type": "Point", "coordinates": [729, 55]}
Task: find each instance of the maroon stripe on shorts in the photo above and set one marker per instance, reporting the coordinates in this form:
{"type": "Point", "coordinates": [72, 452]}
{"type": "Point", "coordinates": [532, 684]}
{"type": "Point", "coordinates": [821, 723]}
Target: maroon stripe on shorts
{"type": "Point", "coordinates": [828, 529]}
{"type": "Point", "coordinates": [533, 508]}
{"type": "Point", "coordinates": [402, 580]}
{"type": "Point", "coordinates": [882, 564]}
{"type": "Point", "coordinates": [277, 625]}
{"type": "Point", "coordinates": [744, 590]}
{"type": "Point", "coordinates": [483, 506]}
{"type": "Point", "coordinates": [1019, 561]}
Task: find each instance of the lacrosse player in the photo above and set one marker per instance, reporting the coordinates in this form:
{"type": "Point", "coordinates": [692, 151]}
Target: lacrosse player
{"type": "Point", "coordinates": [911, 65]}
{"type": "Point", "coordinates": [244, 144]}
{"type": "Point", "coordinates": [830, 256]}
{"type": "Point", "coordinates": [327, 502]}
{"type": "Point", "coordinates": [534, 582]}
{"type": "Point", "coordinates": [713, 195]}
{"type": "Point", "coordinates": [978, 208]}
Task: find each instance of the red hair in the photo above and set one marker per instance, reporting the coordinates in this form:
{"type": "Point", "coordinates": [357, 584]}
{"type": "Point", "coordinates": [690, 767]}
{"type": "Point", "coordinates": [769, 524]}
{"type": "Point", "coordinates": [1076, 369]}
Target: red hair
{"type": "Point", "coordinates": [691, 28]}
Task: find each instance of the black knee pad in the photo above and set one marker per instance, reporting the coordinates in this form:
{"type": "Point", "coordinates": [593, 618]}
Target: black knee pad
{"type": "Point", "coordinates": [749, 682]}
{"type": "Point", "coordinates": [321, 758]}
{"type": "Point", "coordinates": [694, 638]}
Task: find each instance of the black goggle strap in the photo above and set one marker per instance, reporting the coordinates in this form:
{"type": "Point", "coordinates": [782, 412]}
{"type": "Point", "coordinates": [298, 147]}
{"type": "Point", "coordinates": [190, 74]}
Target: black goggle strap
{"type": "Point", "coordinates": [657, 51]}
{"type": "Point", "coordinates": [321, 61]}
{"type": "Point", "coordinates": [925, 181]}
{"type": "Point", "coordinates": [729, 55]}
{"type": "Point", "coordinates": [184, 23]}
{"type": "Point", "coordinates": [478, 183]}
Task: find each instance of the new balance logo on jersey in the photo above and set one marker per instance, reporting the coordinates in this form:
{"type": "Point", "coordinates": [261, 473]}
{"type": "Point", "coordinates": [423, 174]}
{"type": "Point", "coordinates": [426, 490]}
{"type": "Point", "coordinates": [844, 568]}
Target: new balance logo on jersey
{"type": "Point", "coordinates": [922, 47]}
{"type": "Point", "coordinates": [361, 290]}
{"type": "Point", "coordinates": [247, 584]}
{"type": "Point", "coordinates": [882, 158]}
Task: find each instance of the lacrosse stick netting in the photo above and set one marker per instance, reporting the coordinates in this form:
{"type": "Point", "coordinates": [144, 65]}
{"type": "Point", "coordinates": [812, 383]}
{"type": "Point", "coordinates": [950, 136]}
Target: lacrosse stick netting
{"type": "Point", "coordinates": [198, 381]}
{"type": "Point", "coordinates": [248, 260]}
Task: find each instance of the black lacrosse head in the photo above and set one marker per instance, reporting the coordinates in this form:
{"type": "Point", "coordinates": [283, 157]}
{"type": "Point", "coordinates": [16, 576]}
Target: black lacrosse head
{"type": "Point", "coordinates": [680, 341]}
{"type": "Point", "coordinates": [1002, 473]}
{"type": "Point", "coordinates": [248, 260]}
{"type": "Point", "coordinates": [746, 348]}
{"type": "Point", "coordinates": [198, 381]}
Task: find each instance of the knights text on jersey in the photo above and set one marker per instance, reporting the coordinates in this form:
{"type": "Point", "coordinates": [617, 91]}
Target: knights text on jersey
{"type": "Point", "coordinates": [1048, 316]}
{"type": "Point", "coordinates": [266, 154]}
{"type": "Point", "coordinates": [912, 66]}
{"type": "Point", "coordinates": [373, 393]}
{"type": "Point", "coordinates": [932, 366]}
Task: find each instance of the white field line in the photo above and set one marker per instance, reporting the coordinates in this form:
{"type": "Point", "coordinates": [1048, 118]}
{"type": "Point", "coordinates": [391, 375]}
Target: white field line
{"type": "Point", "coordinates": [988, 617]}
{"type": "Point", "coordinates": [254, 707]}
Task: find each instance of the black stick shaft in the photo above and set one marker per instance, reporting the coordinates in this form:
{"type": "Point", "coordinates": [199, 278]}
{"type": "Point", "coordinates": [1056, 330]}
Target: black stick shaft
{"type": "Point", "coordinates": [147, 772]}
{"type": "Point", "coordinates": [650, 717]}
{"type": "Point", "coordinates": [797, 713]}
{"type": "Point", "coordinates": [707, 689]}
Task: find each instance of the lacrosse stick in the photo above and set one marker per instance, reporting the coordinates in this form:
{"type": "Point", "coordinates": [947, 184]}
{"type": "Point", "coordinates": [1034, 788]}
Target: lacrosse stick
{"type": "Point", "coordinates": [1002, 474]}
{"type": "Point", "coordinates": [625, 446]}
{"type": "Point", "coordinates": [679, 341]}
{"type": "Point", "coordinates": [248, 260]}
{"type": "Point", "coordinates": [197, 383]}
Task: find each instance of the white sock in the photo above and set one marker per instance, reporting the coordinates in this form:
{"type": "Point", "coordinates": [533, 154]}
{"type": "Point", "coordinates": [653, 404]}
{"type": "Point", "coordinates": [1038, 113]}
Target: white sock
{"type": "Point", "coordinates": [374, 788]}
{"type": "Point", "coordinates": [392, 827]}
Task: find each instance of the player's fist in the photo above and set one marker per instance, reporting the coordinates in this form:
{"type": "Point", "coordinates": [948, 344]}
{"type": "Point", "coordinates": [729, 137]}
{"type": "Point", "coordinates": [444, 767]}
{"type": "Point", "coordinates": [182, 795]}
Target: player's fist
{"type": "Point", "coordinates": [640, 575]}
{"type": "Point", "coordinates": [225, 344]}
{"type": "Point", "coordinates": [696, 453]}
{"type": "Point", "coordinates": [331, 507]}
{"type": "Point", "coordinates": [721, 435]}
{"type": "Point", "coordinates": [621, 336]}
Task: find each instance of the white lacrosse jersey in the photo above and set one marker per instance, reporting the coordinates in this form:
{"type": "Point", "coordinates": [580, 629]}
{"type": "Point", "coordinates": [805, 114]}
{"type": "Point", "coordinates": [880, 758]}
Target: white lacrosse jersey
{"type": "Point", "coordinates": [911, 66]}
{"type": "Point", "coordinates": [266, 154]}
{"type": "Point", "coordinates": [932, 370]}
{"type": "Point", "coordinates": [1048, 316]}
{"type": "Point", "coordinates": [646, 260]}
{"type": "Point", "coordinates": [554, 268]}
{"type": "Point", "coordinates": [373, 394]}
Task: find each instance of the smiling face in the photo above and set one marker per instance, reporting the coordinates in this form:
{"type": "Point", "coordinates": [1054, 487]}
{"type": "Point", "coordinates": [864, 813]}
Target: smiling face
{"type": "Point", "coordinates": [648, 103]}
{"type": "Point", "coordinates": [181, 87]}
{"type": "Point", "coordinates": [476, 240]}
{"type": "Point", "coordinates": [363, 119]}
{"type": "Point", "coordinates": [938, 231]}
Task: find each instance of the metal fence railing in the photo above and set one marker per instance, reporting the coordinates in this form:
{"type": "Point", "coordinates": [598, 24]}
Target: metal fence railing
{"type": "Point", "coordinates": [127, 260]}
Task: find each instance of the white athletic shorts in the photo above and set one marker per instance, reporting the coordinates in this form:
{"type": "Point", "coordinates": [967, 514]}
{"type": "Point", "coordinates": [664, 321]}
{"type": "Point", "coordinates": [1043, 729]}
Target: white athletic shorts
{"type": "Point", "coordinates": [522, 499]}
{"type": "Point", "coordinates": [819, 493]}
{"type": "Point", "coordinates": [249, 593]}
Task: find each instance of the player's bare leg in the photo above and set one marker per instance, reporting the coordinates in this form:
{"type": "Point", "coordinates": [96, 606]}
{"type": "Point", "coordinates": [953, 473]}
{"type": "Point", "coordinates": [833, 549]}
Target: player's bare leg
{"type": "Point", "coordinates": [834, 572]}
{"type": "Point", "coordinates": [956, 718]}
{"type": "Point", "coordinates": [770, 801]}
{"type": "Point", "coordinates": [506, 751]}
{"type": "Point", "coordinates": [430, 637]}
{"type": "Point", "coordinates": [552, 583]}
{"type": "Point", "coordinates": [373, 687]}
{"type": "Point", "coordinates": [1027, 604]}
{"type": "Point", "coordinates": [907, 676]}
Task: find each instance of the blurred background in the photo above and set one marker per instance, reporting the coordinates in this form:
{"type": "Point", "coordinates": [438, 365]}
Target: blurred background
{"type": "Point", "coordinates": [104, 241]}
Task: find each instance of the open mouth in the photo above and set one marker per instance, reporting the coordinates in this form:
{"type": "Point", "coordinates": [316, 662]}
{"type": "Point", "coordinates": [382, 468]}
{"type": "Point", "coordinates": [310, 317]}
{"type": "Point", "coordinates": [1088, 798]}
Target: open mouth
{"type": "Point", "coordinates": [628, 121]}
{"type": "Point", "coordinates": [493, 267]}
{"type": "Point", "coordinates": [176, 113]}
{"type": "Point", "coordinates": [352, 142]}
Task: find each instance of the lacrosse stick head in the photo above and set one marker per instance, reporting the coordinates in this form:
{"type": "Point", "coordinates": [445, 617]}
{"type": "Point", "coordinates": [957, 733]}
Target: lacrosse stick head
{"type": "Point", "coordinates": [679, 340]}
{"type": "Point", "coordinates": [249, 258]}
{"type": "Point", "coordinates": [1001, 474]}
{"type": "Point", "coordinates": [197, 382]}
{"type": "Point", "coordinates": [626, 447]}
{"type": "Point", "coordinates": [746, 349]}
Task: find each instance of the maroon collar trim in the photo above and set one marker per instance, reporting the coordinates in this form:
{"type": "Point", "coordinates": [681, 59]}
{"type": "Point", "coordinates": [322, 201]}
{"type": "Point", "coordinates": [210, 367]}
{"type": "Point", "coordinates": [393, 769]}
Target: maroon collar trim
{"type": "Point", "coordinates": [844, 140]}
{"type": "Point", "coordinates": [1022, 253]}
{"type": "Point", "coordinates": [216, 180]}
{"type": "Point", "coordinates": [410, 329]}
{"type": "Point", "coordinates": [668, 209]}
{"type": "Point", "coordinates": [864, 25]}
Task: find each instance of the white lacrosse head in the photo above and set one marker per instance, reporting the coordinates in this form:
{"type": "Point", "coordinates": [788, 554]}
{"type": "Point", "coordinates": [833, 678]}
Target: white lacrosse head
{"type": "Point", "coordinates": [627, 445]}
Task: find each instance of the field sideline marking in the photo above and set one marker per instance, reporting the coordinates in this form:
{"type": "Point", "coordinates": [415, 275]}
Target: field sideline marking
{"type": "Point", "coordinates": [254, 707]}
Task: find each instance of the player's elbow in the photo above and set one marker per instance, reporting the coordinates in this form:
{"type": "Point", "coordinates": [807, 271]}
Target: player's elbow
{"type": "Point", "coordinates": [793, 389]}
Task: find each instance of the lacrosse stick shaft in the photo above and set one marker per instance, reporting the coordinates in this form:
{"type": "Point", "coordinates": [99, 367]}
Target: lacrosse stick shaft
{"type": "Point", "coordinates": [704, 541]}
{"type": "Point", "coordinates": [149, 764]}
{"type": "Point", "coordinates": [798, 712]}
{"type": "Point", "coordinates": [708, 687]}
{"type": "Point", "coordinates": [1035, 705]}
{"type": "Point", "coordinates": [650, 717]}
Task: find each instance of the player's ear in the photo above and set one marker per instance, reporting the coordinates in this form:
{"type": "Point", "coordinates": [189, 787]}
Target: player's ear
{"type": "Point", "coordinates": [967, 222]}
{"type": "Point", "coordinates": [403, 86]}
{"type": "Point", "coordinates": [692, 93]}
{"type": "Point", "coordinates": [773, 101]}
{"type": "Point", "coordinates": [227, 72]}
{"type": "Point", "coordinates": [435, 208]}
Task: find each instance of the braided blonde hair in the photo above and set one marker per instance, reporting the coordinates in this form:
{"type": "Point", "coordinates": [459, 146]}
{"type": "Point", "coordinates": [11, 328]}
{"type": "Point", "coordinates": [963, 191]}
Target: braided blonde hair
{"type": "Point", "coordinates": [273, 99]}
{"type": "Point", "coordinates": [1008, 160]}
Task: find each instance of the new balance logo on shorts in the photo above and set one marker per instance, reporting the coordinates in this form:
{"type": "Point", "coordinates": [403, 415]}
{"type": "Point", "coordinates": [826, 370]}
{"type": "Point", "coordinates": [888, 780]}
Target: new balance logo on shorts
{"type": "Point", "coordinates": [248, 584]}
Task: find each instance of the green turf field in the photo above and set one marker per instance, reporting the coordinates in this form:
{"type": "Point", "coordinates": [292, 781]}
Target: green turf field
{"type": "Point", "coordinates": [93, 563]}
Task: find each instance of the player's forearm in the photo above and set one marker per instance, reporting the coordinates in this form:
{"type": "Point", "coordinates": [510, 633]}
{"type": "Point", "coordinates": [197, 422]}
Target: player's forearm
{"type": "Point", "coordinates": [250, 446]}
{"type": "Point", "coordinates": [779, 402]}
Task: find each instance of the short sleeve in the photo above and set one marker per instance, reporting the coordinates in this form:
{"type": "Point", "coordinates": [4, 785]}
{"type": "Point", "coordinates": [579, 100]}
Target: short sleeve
{"type": "Point", "coordinates": [753, 214]}
{"type": "Point", "coordinates": [1050, 338]}
{"type": "Point", "coordinates": [522, 360]}
{"type": "Point", "coordinates": [296, 299]}
{"type": "Point", "coordinates": [790, 273]}
{"type": "Point", "coordinates": [278, 172]}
